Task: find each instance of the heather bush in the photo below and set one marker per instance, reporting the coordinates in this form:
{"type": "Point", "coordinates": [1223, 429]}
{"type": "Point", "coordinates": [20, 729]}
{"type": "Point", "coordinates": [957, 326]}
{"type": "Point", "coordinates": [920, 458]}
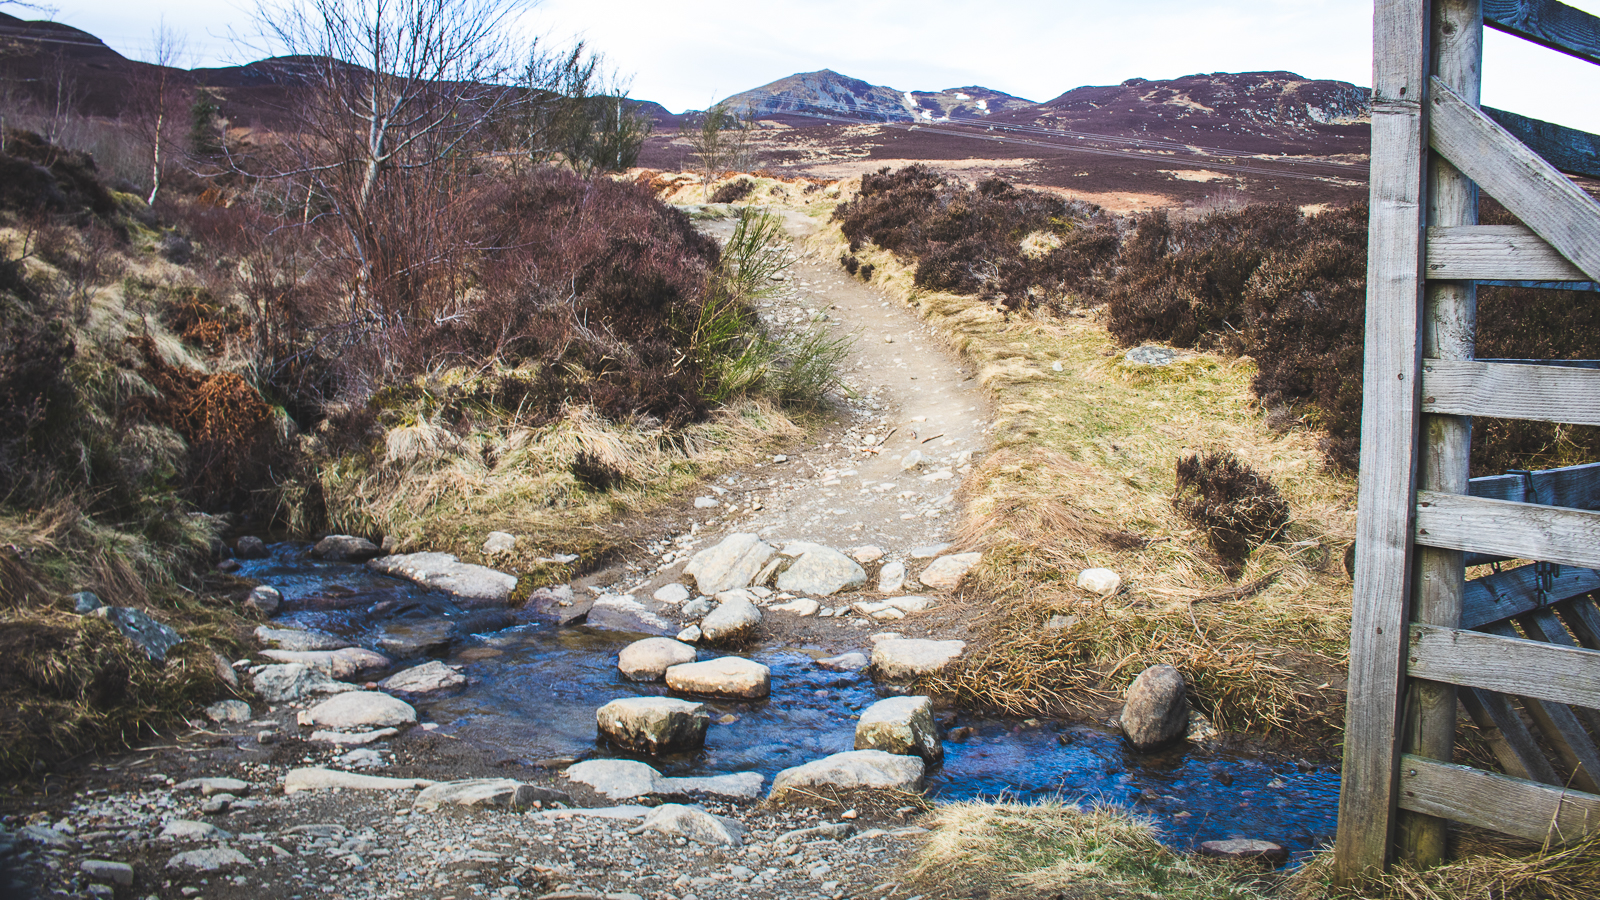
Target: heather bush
{"type": "Point", "coordinates": [733, 191]}
{"type": "Point", "coordinates": [1235, 505]}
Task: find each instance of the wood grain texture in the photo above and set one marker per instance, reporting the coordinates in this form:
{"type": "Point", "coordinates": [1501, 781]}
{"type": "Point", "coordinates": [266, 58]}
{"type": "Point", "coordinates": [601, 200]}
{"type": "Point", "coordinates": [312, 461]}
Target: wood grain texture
{"type": "Point", "coordinates": [1497, 597]}
{"type": "Point", "coordinates": [1542, 625]}
{"type": "Point", "coordinates": [1562, 731]}
{"type": "Point", "coordinates": [1511, 391]}
{"type": "Point", "coordinates": [1570, 537]}
{"type": "Point", "coordinates": [1509, 665]}
{"type": "Point", "coordinates": [1584, 619]}
{"type": "Point", "coordinates": [1390, 419]}
{"type": "Point", "coordinates": [1498, 802]}
{"type": "Point", "coordinates": [1568, 149]}
{"type": "Point", "coordinates": [1532, 189]}
{"type": "Point", "coordinates": [1575, 487]}
{"type": "Point", "coordinates": [1548, 24]}
{"type": "Point", "coordinates": [1514, 745]}
{"type": "Point", "coordinates": [1490, 252]}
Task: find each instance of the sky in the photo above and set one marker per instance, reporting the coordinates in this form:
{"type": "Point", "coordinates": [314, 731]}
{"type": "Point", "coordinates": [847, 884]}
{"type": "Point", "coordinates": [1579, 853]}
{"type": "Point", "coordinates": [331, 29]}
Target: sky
{"type": "Point", "coordinates": [689, 53]}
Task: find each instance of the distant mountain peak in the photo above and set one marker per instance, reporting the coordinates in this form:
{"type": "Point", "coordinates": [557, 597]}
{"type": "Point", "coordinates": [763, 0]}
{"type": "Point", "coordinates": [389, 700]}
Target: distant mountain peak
{"type": "Point", "coordinates": [827, 94]}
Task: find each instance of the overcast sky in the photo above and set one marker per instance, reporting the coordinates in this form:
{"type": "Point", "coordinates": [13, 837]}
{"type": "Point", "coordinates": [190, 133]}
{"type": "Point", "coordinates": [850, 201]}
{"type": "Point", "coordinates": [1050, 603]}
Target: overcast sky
{"type": "Point", "coordinates": [689, 53]}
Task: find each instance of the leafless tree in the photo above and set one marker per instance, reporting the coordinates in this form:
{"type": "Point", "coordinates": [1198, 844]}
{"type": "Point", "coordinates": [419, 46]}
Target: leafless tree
{"type": "Point", "coordinates": [719, 143]}
{"type": "Point", "coordinates": [158, 101]}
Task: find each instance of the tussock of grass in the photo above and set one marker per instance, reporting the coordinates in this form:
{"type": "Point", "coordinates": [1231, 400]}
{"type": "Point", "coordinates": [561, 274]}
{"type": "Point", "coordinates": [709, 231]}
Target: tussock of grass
{"type": "Point", "coordinates": [1083, 476]}
{"type": "Point", "coordinates": [1482, 872]}
{"type": "Point", "coordinates": [1058, 850]}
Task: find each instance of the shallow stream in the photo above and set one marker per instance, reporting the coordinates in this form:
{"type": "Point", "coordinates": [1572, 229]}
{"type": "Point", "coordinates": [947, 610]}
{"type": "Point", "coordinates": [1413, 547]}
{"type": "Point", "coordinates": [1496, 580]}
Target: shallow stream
{"type": "Point", "coordinates": [534, 688]}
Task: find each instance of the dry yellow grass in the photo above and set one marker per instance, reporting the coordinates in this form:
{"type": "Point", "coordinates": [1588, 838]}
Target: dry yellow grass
{"type": "Point", "coordinates": [1082, 476]}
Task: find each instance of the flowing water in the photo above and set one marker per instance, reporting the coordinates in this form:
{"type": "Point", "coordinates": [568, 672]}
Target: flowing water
{"type": "Point", "coordinates": [534, 688]}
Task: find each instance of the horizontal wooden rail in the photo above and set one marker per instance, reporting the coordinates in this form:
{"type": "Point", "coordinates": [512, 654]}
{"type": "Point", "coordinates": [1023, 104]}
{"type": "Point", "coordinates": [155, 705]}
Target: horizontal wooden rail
{"type": "Point", "coordinates": [1548, 24]}
{"type": "Point", "coordinates": [1483, 252]}
{"type": "Point", "coordinates": [1497, 802]}
{"type": "Point", "coordinates": [1568, 149]}
{"type": "Point", "coordinates": [1500, 596]}
{"type": "Point", "coordinates": [1575, 487]}
{"type": "Point", "coordinates": [1509, 391]}
{"type": "Point", "coordinates": [1517, 666]}
{"type": "Point", "coordinates": [1532, 189]}
{"type": "Point", "coordinates": [1590, 286]}
{"type": "Point", "coordinates": [1568, 537]}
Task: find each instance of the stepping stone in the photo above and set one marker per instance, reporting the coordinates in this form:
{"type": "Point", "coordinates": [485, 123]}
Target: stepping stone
{"type": "Point", "coordinates": [852, 770]}
{"type": "Point", "coordinates": [649, 659]}
{"type": "Point", "coordinates": [427, 678]}
{"type": "Point", "coordinates": [733, 563]}
{"type": "Point", "coordinates": [654, 725]}
{"type": "Point", "coordinates": [818, 570]}
{"type": "Point", "coordinates": [729, 676]}
{"type": "Point", "coordinates": [903, 726]}
{"type": "Point", "coordinates": [360, 709]}
{"type": "Point", "coordinates": [444, 572]}
{"type": "Point", "coordinates": [900, 658]}
{"type": "Point", "coordinates": [732, 622]}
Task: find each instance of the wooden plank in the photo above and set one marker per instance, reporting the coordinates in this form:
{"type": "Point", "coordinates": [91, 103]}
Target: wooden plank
{"type": "Point", "coordinates": [1510, 391]}
{"type": "Point", "coordinates": [1556, 721]}
{"type": "Point", "coordinates": [1585, 286]}
{"type": "Point", "coordinates": [1575, 487]}
{"type": "Point", "coordinates": [1543, 198]}
{"type": "Point", "coordinates": [1568, 149]}
{"type": "Point", "coordinates": [1513, 744]}
{"type": "Point", "coordinates": [1497, 597]}
{"type": "Point", "coordinates": [1570, 537]}
{"type": "Point", "coordinates": [1498, 802]}
{"type": "Point", "coordinates": [1390, 418]}
{"type": "Point", "coordinates": [1584, 620]}
{"type": "Point", "coordinates": [1485, 252]}
{"type": "Point", "coordinates": [1510, 665]}
{"type": "Point", "coordinates": [1542, 625]}
{"type": "Point", "coordinates": [1548, 24]}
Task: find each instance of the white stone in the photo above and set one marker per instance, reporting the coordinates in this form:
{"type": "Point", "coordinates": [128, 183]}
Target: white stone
{"type": "Point", "coordinates": [732, 622]}
{"type": "Point", "coordinates": [851, 770]}
{"type": "Point", "coordinates": [845, 662]}
{"type": "Point", "coordinates": [186, 830]}
{"type": "Point", "coordinates": [293, 681]}
{"type": "Point", "coordinates": [424, 679]}
{"type": "Point", "coordinates": [654, 725]}
{"type": "Point", "coordinates": [898, 658]}
{"type": "Point", "coordinates": [1100, 581]}
{"type": "Point", "coordinates": [480, 792]}
{"type": "Point", "coordinates": [444, 572]}
{"type": "Point", "coordinates": [295, 639]}
{"type": "Point", "coordinates": [690, 635]}
{"type": "Point", "coordinates": [866, 554]}
{"type": "Point", "coordinates": [616, 779]}
{"type": "Point", "coordinates": [706, 502]}
{"type": "Point", "coordinates": [314, 779]}
{"type": "Point", "coordinates": [730, 564]}
{"type": "Point", "coordinates": [672, 593]}
{"type": "Point", "coordinates": [729, 676]}
{"type": "Point", "coordinates": [818, 570]}
{"type": "Point", "coordinates": [228, 711]}
{"type": "Point", "coordinates": [209, 860]}
{"type": "Point", "coordinates": [892, 578]}
{"type": "Point", "coordinates": [649, 659]}
{"type": "Point", "coordinates": [499, 542]}
{"type": "Point", "coordinates": [692, 822]}
{"type": "Point", "coordinates": [911, 460]}
{"type": "Point", "coordinates": [901, 725]}
{"type": "Point", "coordinates": [356, 739]}
{"type": "Point", "coordinates": [804, 606]}
{"type": "Point", "coordinates": [348, 662]}
{"type": "Point", "coordinates": [909, 604]}
{"type": "Point", "coordinates": [360, 709]}
{"type": "Point", "coordinates": [209, 786]}
{"type": "Point", "coordinates": [928, 551]}
{"type": "Point", "coordinates": [880, 611]}
{"type": "Point", "coordinates": [946, 572]}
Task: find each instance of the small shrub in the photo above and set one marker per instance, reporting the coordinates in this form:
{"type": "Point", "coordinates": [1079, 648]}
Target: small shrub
{"type": "Point", "coordinates": [596, 474]}
{"type": "Point", "coordinates": [1237, 507]}
{"type": "Point", "coordinates": [850, 263]}
{"type": "Point", "coordinates": [866, 271]}
{"type": "Point", "coordinates": [733, 191]}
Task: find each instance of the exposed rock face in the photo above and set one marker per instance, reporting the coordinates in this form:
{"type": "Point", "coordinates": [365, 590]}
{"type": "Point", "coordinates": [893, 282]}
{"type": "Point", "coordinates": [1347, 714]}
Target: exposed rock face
{"type": "Point", "coordinates": [654, 724]}
{"type": "Point", "coordinates": [502, 793]}
{"type": "Point", "coordinates": [1157, 708]}
{"type": "Point", "coordinates": [733, 563]}
{"type": "Point", "coordinates": [444, 572]}
{"type": "Point", "coordinates": [427, 678]}
{"type": "Point", "coordinates": [360, 709]}
{"type": "Point", "coordinates": [903, 726]}
{"type": "Point", "coordinates": [619, 612]}
{"type": "Point", "coordinates": [293, 681]}
{"type": "Point", "coordinates": [946, 572]}
{"type": "Point", "coordinates": [729, 676]}
{"type": "Point", "coordinates": [150, 636]}
{"type": "Point", "coordinates": [694, 823]}
{"type": "Point", "coordinates": [346, 663]}
{"type": "Point", "coordinates": [1100, 581]}
{"type": "Point", "coordinates": [649, 659]}
{"type": "Point", "coordinates": [732, 622]}
{"type": "Point", "coordinates": [897, 658]}
{"type": "Point", "coordinates": [345, 548]}
{"type": "Point", "coordinates": [852, 770]}
{"type": "Point", "coordinates": [818, 570]}
{"type": "Point", "coordinates": [293, 639]}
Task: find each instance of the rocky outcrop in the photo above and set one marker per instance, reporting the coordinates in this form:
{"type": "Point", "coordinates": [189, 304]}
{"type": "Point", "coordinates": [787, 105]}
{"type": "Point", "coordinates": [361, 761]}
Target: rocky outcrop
{"type": "Point", "coordinates": [852, 770]}
{"type": "Point", "coordinates": [1156, 711]}
{"type": "Point", "coordinates": [654, 725]}
{"type": "Point", "coordinates": [903, 726]}
{"type": "Point", "coordinates": [729, 676]}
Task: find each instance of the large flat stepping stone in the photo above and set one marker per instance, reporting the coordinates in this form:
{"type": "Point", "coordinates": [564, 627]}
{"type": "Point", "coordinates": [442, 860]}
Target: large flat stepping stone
{"type": "Point", "coordinates": [852, 770]}
{"type": "Point", "coordinates": [295, 639]}
{"type": "Point", "coordinates": [619, 612]}
{"type": "Point", "coordinates": [734, 621]}
{"type": "Point", "coordinates": [903, 726]}
{"type": "Point", "coordinates": [501, 793]}
{"type": "Point", "coordinates": [360, 709]}
{"type": "Point", "coordinates": [444, 572]}
{"type": "Point", "coordinates": [649, 659]}
{"type": "Point", "coordinates": [428, 678]}
{"type": "Point", "coordinates": [347, 662]}
{"type": "Point", "coordinates": [899, 658]}
{"type": "Point", "coordinates": [733, 563]}
{"type": "Point", "coordinates": [320, 779]}
{"type": "Point", "coordinates": [728, 676]}
{"type": "Point", "coordinates": [654, 725]}
{"type": "Point", "coordinates": [818, 570]}
{"type": "Point", "coordinates": [623, 779]}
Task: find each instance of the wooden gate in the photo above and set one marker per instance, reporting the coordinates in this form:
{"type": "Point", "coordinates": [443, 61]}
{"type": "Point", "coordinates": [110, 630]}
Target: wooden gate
{"type": "Point", "coordinates": [1519, 648]}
